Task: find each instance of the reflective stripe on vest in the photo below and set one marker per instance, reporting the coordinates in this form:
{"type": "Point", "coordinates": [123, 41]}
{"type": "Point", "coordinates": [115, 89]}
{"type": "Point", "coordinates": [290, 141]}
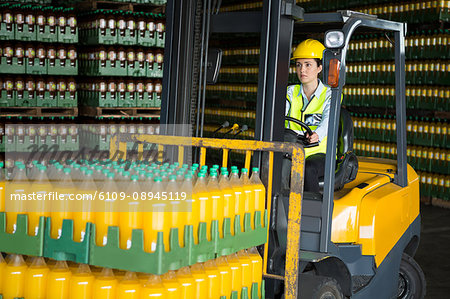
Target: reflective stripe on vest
{"type": "Point", "coordinates": [311, 114]}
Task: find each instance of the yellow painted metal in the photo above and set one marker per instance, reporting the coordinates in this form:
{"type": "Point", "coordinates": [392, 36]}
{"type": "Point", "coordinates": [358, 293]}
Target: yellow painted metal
{"type": "Point", "coordinates": [269, 208]}
{"type": "Point", "coordinates": [202, 156]}
{"type": "Point", "coordinates": [160, 153]}
{"type": "Point", "coordinates": [225, 157]}
{"type": "Point", "coordinates": [113, 147]}
{"type": "Point", "coordinates": [248, 157]}
{"type": "Point", "coordinates": [181, 155]}
{"type": "Point", "coordinates": [140, 151]}
{"type": "Point", "coordinates": [295, 196]}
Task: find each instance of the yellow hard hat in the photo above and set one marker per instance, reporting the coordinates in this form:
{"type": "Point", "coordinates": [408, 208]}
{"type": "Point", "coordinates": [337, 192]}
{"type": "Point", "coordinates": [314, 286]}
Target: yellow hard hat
{"type": "Point", "coordinates": [309, 48]}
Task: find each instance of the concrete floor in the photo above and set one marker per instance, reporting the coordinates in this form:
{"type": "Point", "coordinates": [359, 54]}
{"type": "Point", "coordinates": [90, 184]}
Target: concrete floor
{"type": "Point", "coordinates": [433, 254]}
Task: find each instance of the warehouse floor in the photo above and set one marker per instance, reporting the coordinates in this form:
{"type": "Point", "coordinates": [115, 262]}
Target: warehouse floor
{"type": "Point", "coordinates": [433, 254]}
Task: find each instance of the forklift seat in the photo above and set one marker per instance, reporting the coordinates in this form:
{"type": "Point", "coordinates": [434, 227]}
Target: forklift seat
{"type": "Point", "coordinates": [346, 163]}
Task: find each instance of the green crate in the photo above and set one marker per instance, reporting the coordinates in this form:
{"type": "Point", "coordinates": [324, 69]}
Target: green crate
{"type": "Point", "coordinates": [144, 39]}
{"type": "Point", "coordinates": [2, 143]}
{"type": "Point", "coordinates": [161, 261]}
{"type": "Point", "coordinates": [63, 67]}
{"type": "Point", "coordinates": [137, 69]}
{"type": "Point", "coordinates": [95, 37]}
{"type": "Point", "coordinates": [6, 34]}
{"type": "Point", "coordinates": [13, 67]}
{"type": "Point", "coordinates": [47, 100]}
{"type": "Point", "coordinates": [255, 290]}
{"type": "Point", "coordinates": [144, 100]}
{"type": "Point", "coordinates": [68, 144]}
{"type": "Point", "coordinates": [6, 100]}
{"type": "Point", "coordinates": [126, 99]}
{"type": "Point", "coordinates": [65, 99]}
{"type": "Point", "coordinates": [156, 100]}
{"type": "Point", "coordinates": [154, 72]}
{"type": "Point", "coordinates": [25, 34]}
{"type": "Point", "coordinates": [126, 38]}
{"type": "Point", "coordinates": [95, 68]}
{"type": "Point", "coordinates": [20, 242]}
{"type": "Point", "coordinates": [160, 41]}
{"type": "Point", "coordinates": [25, 99]}
{"type": "Point", "coordinates": [65, 248]}
{"type": "Point", "coordinates": [97, 99]}
{"type": "Point", "coordinates": [33, 66]}
{"type": "Point", "coordinates": [45, 35]}
{"type": "Point", "coordinates": [66, 36]}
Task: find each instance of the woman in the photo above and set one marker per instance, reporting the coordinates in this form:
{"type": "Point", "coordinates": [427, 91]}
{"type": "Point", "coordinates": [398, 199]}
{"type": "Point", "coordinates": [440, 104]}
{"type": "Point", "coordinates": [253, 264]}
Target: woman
{"type": "Point", "coordinates": [309, 102]}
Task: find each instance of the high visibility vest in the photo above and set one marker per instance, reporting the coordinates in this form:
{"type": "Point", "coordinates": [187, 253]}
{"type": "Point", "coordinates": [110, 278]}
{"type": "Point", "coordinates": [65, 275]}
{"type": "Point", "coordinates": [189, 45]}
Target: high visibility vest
{"type": "Point", "coordinates": [311, 115]}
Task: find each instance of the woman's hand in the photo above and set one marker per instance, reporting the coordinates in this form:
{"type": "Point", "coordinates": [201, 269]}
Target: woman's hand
{"type": "Point", "coordinates": [313, 138]}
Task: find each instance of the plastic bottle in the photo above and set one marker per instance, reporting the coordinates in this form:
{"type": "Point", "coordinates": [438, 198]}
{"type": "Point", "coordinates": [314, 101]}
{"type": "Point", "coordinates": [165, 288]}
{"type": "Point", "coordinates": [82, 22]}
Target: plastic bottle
{"type": "Point", "coordinates": [129, 287]}
{"type": "Point", "coordinates": [175, 208]}
{"type": "Point", "coordinates": [191, 215]}
{"type": "Point", "coordinates": [58, 281]}
{"type": "Point", "coordinates": [2, 273]}
{"type": "Point", "coordinates": [204, 203]}
{"type": "Point", "coordinates": [228, 198]}
{"type": "Point", "coordinates": [14, 277]}
{"type": "Point", "coordinates": [224, 276]}
{"type": "Point", "coordinates": [105, 285]}
{"type": "Point", "coordinates": [259, 192]}
{"type": "Point", "coordinates": [239, 199]}
{"type": "Point", "coordinates": [154, 288]}
{"type": "Point", "coordinates": [212, 278]}
{"type": "Point", "coordinates": [81, 283]}
{"type": "Point", "coordinates": [2, 187]}
{"type": "Point", "coordinates": [131, 217]}
{"type": "Point", "coordinates": [39, 208]}
{"type": "Point", "coordinates": [257, 267]}
{"type": "Point", "coordinates": [246, 267]}
{"type": "Point", "coordinates": [61, 208]}
{"type": "Point", "coordinates": [200, 284]}
{"type": "Point", "coordinates": [19, 186]}
{"type": "Point", "coordinates": [171, 285]}
{"type": "Point", "coordinates": [186, 282]}
{"type": "Point", "coordinates": [216, 198]}
{"type": "Point", "coordinates": [84, 209]}
{"type": "Point", "coordinates": [236, 273]}
{"type": "Point", "coordinates": [156, 220]}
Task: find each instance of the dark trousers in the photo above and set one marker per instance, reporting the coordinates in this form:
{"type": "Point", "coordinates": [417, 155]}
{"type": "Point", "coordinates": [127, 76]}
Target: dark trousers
{"type": "Point", "coordinates": [314, 168]}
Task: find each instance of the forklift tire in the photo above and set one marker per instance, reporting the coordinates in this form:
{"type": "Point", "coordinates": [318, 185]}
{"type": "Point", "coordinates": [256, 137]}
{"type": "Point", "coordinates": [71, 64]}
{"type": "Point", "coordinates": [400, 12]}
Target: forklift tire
{"type": "Point", "coordinates": [328, 289]}
{"type": "Point", "coordinates": [411, 280]}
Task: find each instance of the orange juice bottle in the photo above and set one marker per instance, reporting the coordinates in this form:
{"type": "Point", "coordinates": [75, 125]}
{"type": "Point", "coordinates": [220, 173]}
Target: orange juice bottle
{"type": "Point", "coordinates": [131, 217]}
{"type": "Point", "coordinates": [213, 279]}
{"type": "Point", "coordinates": [239, 196]}
{"type": "Point", "coordinates": [249, 196]}
{"type": "Point", "coordinates": [2, 274]}
{"type": "Point", "coordinates": [58, 281]}
{"type": "Point", "coordinates": [216, 199]}
{"type": "Point", "coordinates": [41, 187]}
{"type": "Point", "coordinates": [84, 209]}
{"type": "Point", "coordinates": [186, 282]}
{"type": "Point", "coordinates": [129, 287]}
{"type": "Point", "coordinates": [17, 188]}
{"type": "Point", "coordinates": [105, 285]}
{"type": "Point", "coordinates": [171, 285]}
{"type": "Point", "coordinates": [174, 215]}
{"type": "Point", "coordinates": [202, 196]}
{"type": "Point", "coordinates": [228, 198]}
{"type": "Point", "coordinates": [257, 266]}
{"type": "Point", "coordinates": [246, 266]}
{"type": "Point", "coordinates": [156, 220]}
{"type": "Point", "coordinates": [61, 208]}
{"type": "Point", "coordinates": [224, 276]}
{"type": "Point", "coordinates": [236, 272]}
{"type": "Point", "coordinates": [14, 277]}
{"type": "Point", "coordinates": [153, 288]}
{"type": "Point", "coordinates": [190, 204]}
{"type": "Point", "coordinates": [259, 192]}
{"type": "Point", "coordinates": [81, 283]}
{"type": "Point", "coordinates": [36, 279]}
{"type": "Point", "coordinates": [107, 210]}
{"type": "Point", "coordinates": [2, 188]}
{"type": "Point", "coordinates": [201, 284]}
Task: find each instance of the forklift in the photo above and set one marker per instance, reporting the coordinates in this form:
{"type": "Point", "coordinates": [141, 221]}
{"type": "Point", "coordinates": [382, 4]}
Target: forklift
{"type": "Point", "coordinates": [358, 236]}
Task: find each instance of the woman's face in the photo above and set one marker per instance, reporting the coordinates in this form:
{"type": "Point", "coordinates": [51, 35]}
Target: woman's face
{"type": "Point", "coordinates": [307, 70]}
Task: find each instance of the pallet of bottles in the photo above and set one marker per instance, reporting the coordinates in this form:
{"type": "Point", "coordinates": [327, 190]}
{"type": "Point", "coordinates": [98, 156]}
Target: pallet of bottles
{"type": "Point", "coordinates": [177, 215]}
{"type": "Point", "coordinates": [235, 276]}
{"type": "Point", "coordinates": [435, 186]}
{"type": "Point", "coordinates": [39, 112]}
{"type": "Point", "coordinates": [38, 23]}
{"type": "Point", "coordinates": [117, 27]}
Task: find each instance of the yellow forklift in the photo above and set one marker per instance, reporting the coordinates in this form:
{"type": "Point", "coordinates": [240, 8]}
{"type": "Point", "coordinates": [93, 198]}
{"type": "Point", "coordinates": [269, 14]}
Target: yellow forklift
{"type": "Point", "coordinates": [357, 237]}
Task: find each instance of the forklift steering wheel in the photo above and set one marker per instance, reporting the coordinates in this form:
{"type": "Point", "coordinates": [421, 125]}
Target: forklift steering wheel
{"type": "Point", "coordinates": [301, 138]}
